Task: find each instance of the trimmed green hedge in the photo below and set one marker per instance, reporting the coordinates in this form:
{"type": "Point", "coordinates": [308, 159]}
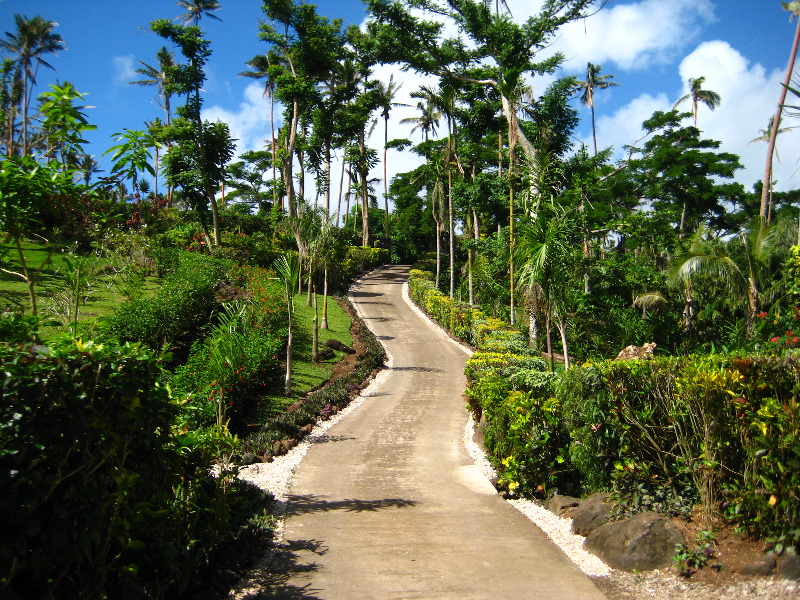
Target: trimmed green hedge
{"type": "Point", "coordinates": [662, 434]}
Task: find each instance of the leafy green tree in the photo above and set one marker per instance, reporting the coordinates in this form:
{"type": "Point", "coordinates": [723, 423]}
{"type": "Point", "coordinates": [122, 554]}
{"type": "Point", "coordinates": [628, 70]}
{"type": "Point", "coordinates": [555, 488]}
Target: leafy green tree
{"type": "Point", "coordinates": [679, 174]}
{"type": "Point", "coordinates": [30, 190]}
{"type": "Point", "coordinates": [63, 124]}
{"type": "Point", "coordinates": [246, 180]}
{"type": "Point", "coordinates": [306, 47]}
{"type": "Point", "coordinates": [34, 38]}
{"type": "Point", "coordinates": [196, 163]}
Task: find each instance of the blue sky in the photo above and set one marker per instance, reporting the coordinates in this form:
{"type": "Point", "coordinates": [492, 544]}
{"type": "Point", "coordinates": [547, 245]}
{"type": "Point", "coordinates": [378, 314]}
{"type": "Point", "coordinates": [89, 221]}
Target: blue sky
{"type": "Point", "coordinates": [651, 47]}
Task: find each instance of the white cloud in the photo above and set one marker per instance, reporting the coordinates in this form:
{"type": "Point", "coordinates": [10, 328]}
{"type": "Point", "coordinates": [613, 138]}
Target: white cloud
{"type": "Point", "coordinates": [749, 97]}
{"type": "Point", "coordinates": [249, 125]}
{"type": "Point", "coordinates": [124, 69]}
{"type": "Point", "coordinates": [634, 35]}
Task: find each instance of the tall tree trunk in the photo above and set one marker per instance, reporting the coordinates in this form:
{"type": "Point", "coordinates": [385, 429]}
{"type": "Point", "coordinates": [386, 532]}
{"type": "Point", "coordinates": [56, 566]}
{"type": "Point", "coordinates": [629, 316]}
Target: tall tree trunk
{"type": "Point", "coordinates": [776, 122]}
{"type": "Point", "coordinates": [386, 186]}
{"type": "Point", "coordinates": [364, 176]}
{"type": "Point", "coordinates": [451, 232]}
{"type": "Point", "coordinates": [325, 300]}
{"type": "Point", "coordinates": [315, 330]}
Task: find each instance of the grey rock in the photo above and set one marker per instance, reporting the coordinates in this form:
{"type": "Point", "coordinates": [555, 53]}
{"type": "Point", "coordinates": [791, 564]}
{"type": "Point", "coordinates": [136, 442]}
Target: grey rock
{"type": "Point", "coordinates": [644, 542]}
{"type": "Point", "coordinates": [557, 504]}
{"type": "Point", "coordinates": [248, 458]}
{"type": "Point", "coordinates": [789, 567]}
{"type": "Point", "coordinates": [591, 514]}
{"type": "Point", "coordinates": [760, 566]}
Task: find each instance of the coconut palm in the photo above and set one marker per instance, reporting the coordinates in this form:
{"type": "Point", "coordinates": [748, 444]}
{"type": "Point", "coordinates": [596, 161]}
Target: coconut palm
{"type": "Point", "coordinates": [543, 254]}
{"type": "Point", "coordinates": [737, 271]}
{"type": "Point", "coordinates": [594, 81]}
{"type": "Point", "coordinates": [33, 39]}
{"type": "Point", "coordinates": [794, 9]}
{"type": "Point", "coordinates": [386, 94]}
{"type": "Point", "coordinates": [765, 136]}
{"type": "Point", "coordinates": [260, 66]}
{"type": "Point", "coordinates": [195, 9]}
{"type": "Point", "coordinates": [428, 120]}
{"type": "Point", "coordinates": [157, 76]}
{"type": "Point", "coordinates": [698, 95]}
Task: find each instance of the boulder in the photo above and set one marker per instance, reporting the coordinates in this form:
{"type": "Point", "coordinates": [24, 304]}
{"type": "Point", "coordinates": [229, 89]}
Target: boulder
{"type": "Point", "coordinates": [248, 458]}
{"type": "Point", "coordinates": [591, 514]}
{"type": "Point", "coordinates": [760, 566]}
{"type": "Point", "coordinates": [644, 542]}
{"type": "Point", "coordinates": [340, 346]}
{"type": "Point", "coordinates": [789, 567]}
{"type": "Point", "coordinates": [558, 504]}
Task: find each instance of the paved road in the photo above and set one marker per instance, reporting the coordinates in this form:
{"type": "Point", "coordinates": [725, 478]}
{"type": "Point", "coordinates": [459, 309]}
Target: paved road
{"type": "Point", "coordinates": [390, 506]}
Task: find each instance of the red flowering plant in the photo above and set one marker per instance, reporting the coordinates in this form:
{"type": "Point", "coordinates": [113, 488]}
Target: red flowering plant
{"type": "Point", "coordinates": [780, 329]}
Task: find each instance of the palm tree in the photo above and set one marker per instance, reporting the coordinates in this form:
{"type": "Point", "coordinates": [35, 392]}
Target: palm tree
{"type": "Point", "coordinates": [739, 277]}
{"type": "Point", "coordinates": [157, 76]}
{"type": "Point", "coordinates": [428, 120]}
{"type": "Point", "coordinates": [260, 69]}
{"type": "Point", "coordinates": [287, 268]}
{"type": "Point", "coordinates": [594, 81]}
{"type": "Point", "coordinates": [765, 136]}
{"type": "Point", "coordinates": [698, 95]}
{"type": "Point", "coordinates": [386, 94]}
{"type": "Point", "coordinates": [794, 8]}
{"type": "Point", "coordinates": [33, 39]}
{"type": "Point", "coordinates": [195, 9]}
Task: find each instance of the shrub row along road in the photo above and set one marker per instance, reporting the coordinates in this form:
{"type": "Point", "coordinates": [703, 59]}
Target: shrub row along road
{"type": "Point", "coordinates": [389, 505]}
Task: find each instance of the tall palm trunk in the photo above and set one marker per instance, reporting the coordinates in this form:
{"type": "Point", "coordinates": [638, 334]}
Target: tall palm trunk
{"type": "Point", "coordinates": [776, 121]}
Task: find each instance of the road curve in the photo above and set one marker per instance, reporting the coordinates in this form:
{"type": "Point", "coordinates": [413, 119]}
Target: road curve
{"type": "Point", "coordinates": [389, 505]}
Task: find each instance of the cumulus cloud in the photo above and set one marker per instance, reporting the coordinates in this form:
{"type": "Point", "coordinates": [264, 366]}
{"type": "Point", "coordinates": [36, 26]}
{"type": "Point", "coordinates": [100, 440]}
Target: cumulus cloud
{"type": "Point", "coordinates": [124, 69]}
{"type": "Point", "coordinates": [249, 125]}
{"type": "Point", "coordinates": [749, 96]}
{"type": "Point", "coordinates": [636, 35]}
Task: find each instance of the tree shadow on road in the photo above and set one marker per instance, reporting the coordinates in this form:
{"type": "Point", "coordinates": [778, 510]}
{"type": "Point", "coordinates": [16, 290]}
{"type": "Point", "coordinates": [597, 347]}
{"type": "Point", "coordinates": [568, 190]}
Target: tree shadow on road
{"type": "Point", "coordinates": [310, 503]}
{"type": "Point", "coordinates": [284, 565]}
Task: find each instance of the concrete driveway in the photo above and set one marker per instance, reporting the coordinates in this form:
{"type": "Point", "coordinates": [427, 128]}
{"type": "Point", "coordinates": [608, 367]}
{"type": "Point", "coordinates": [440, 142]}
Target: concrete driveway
{"type": "Point", "coordinates": [389, 505]}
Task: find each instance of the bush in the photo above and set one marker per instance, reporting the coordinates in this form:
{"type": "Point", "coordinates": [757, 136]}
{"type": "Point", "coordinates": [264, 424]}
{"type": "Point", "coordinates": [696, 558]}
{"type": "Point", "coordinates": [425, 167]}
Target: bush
{"type": "Point", "coordinates": [182, 305]}
{"type": "Point", "coordinates": [230, 369]}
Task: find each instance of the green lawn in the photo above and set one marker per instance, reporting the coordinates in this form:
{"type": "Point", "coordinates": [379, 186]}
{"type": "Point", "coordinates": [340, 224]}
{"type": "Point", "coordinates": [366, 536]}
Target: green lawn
{"type": "Point", "coordinates": [102, 295]}
{"type": "Point", "coordinates": [307, 375]}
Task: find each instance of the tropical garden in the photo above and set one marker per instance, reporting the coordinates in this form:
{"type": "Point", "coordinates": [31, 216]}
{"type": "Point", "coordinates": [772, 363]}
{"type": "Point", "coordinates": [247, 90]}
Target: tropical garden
{"type": "Point", "coordinates": [165, 316]}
